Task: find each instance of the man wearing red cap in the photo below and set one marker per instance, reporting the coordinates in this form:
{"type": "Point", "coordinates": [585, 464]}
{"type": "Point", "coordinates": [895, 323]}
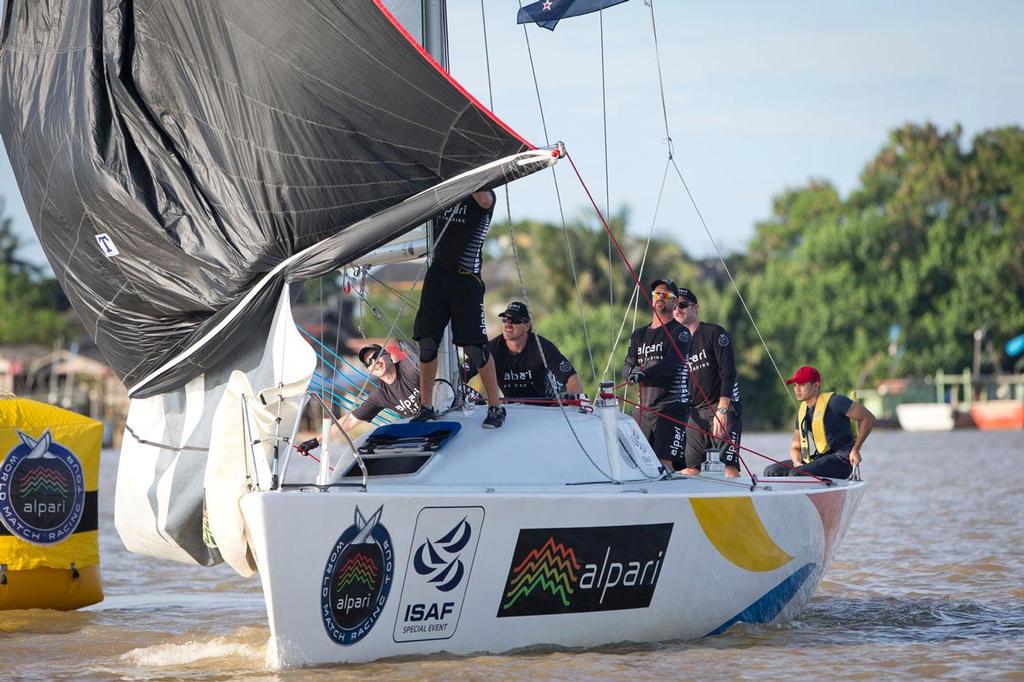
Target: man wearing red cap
{"type": "Point", "coordinates": [824, 443]}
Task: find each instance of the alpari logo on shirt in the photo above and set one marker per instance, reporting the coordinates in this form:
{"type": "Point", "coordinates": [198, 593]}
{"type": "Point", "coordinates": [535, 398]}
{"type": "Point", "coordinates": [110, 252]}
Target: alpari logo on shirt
{"type": "Point", "coordinates": [648, 349]}
{"type": "Point", "coordinates": [444, 547]}
{"type": "Point", "coordinates": [576, 570]}
{"type": "Point", "coordinates": [410, 405]}
{"type": "Point", "coordinates": [699, 360]}
{"type": "Point", "coordinates": [455, 213]}
{"type": "Point", "coordinates": [357, 579]}
{"type": "Point", "coordinates": [522, 379]}
{"type": "Point", "coordinates": [42, 490]}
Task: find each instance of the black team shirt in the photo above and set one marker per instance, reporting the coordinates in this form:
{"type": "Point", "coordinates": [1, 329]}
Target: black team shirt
{"type": "Point", "coordinates": [523, 375]}
{"type": "Point", "coordinates": [403, 396]}
{"type": "Point", "coordinates": [665, 385]}
{"type": "Point", "coordinates": [462, 242]}
{"type": "Point", "coordinates": [713, 366]}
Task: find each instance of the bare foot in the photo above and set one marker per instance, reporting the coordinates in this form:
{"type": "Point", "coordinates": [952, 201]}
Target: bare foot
{"type": "Point", "coordinates": [732, 472]}
{"type": "Point", "coordinates": [690, 471]}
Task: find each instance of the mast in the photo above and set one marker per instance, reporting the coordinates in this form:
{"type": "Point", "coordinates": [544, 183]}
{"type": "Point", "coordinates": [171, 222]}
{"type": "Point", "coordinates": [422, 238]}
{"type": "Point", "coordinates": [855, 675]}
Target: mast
{"type": "Point", "coordinates": [435, 42]}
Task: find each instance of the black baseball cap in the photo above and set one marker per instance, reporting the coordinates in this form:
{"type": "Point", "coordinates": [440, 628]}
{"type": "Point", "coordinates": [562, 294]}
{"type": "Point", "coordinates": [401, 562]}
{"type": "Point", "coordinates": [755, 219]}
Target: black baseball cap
{"type": "Point", "coordinates": [369, 354]}
{"type": "Point", "coordinates": [687, 294]}
{"type": "Point", "coordinates": [517, 312]}
{"type": "Point", "coordinates": [667, 282]}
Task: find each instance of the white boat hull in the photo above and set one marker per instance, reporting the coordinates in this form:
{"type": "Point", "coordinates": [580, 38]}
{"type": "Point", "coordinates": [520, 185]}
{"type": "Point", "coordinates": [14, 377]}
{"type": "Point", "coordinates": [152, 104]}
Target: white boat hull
{"type": "Point", "coordinates": [926, 416]}
{"type": "Point", "coordinates": [566, 565]}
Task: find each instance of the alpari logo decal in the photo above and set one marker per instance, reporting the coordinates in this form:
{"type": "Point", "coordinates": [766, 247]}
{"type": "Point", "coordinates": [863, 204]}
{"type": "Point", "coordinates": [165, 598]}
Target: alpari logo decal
{"type": "Point", "coordinates": [357, 579]}
{"type": "Point", "coordinates": [42, 490]}
{"type": "Point", "coordinates": [441, 558]}
{"type": "Point", "coordinates": [577, 570]}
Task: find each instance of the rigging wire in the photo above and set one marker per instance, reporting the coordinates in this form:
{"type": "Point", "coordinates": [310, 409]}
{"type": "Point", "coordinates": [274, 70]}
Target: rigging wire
{"type": "Point", "coordinates": [634, 299]}
{"type": "Point", "coordinates": [607, 188]}
{"type": "Point", "coordinates": [522, 281]}
{"type": "Point", "coordinates": [693, 202]}
{"type": "Point", "coordinates": [558, 196]}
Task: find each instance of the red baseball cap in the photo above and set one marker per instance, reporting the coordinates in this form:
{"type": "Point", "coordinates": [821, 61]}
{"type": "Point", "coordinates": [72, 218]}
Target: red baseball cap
{"type": "Point", "coordinates": [804, 375]}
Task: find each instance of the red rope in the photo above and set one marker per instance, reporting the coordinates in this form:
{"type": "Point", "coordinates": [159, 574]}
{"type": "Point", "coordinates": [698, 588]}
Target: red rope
{"type": "Point", "coordinates": [725, 440]}
{"type": "Point", "coordinates": [640, 289]}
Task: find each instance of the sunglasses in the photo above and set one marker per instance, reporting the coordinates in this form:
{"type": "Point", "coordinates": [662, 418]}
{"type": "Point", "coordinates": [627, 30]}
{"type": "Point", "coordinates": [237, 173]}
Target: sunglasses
{"type": "Point", "coordinates": [514, 320]}
{"type": "Point", "coordinates": [684, 306]}
{"type": "Point", "coordinates": [663, 296]}
{"type": "Point", "coordinates": [372, 362]}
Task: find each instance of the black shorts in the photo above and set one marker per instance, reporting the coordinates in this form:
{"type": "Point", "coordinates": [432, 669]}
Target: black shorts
{"type": "Point", "coordinates": [667, 437]}
{"type": "Point", "coordinates": [451, 295]}
{"type": "Point", "coordinates": [699, 440]}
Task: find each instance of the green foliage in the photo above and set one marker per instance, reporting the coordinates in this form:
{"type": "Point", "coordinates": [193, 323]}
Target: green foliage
{"type": "Point", "coordinates": [32, 307]}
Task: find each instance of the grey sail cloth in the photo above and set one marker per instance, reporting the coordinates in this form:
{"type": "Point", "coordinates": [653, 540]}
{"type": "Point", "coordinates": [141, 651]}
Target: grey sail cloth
{"type": "Point", "coordinates": [171, 154]}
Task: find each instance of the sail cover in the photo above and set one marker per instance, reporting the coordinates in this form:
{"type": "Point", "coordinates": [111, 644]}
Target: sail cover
{"type": "Point", "coordinates": [181, 161]}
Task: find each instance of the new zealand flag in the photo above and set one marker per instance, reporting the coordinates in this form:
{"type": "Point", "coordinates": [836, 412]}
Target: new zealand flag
{"type": "Point", "coordinates": [546, 13]}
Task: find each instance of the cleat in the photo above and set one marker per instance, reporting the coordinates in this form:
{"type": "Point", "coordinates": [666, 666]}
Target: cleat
{"type": "Point", "coordinates": [495, 417]}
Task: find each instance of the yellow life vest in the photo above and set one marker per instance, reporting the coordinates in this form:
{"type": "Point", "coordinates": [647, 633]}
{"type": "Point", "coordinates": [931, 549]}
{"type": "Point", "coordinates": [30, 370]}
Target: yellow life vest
{"type": "Point", "coordinates": [817, 427]}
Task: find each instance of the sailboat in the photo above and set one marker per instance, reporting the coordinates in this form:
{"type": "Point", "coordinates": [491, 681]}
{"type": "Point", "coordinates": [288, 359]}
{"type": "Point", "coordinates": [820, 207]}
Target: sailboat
{"type": "Point", "coordinates": [184, 165]}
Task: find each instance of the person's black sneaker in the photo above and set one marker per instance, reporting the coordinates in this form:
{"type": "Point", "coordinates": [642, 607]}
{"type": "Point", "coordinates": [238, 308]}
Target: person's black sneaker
{"type": "Point", "coordinates": [425, 414]}
{"type": "Point", "coordinates": [495, 417]}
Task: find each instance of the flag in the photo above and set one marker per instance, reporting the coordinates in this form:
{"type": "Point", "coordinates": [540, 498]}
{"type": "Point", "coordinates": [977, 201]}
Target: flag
{"type": "Point", "coordinates": [546, 13]}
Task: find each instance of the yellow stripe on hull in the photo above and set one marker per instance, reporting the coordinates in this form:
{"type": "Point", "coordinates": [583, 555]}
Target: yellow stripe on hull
{"type": "Point", "coordinates": [734, 528]}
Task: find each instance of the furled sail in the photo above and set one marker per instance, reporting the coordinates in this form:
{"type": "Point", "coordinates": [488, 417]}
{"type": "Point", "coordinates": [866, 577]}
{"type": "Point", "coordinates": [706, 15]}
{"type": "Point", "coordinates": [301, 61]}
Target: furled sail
{"type": "Point", "coordinates": [172, 153]}
{"type": "Point", "coordinates": [182, 162]}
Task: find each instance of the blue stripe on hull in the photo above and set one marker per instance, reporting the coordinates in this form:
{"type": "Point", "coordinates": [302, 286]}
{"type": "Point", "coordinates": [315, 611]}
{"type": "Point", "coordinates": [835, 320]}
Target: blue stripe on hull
{"type": "Point", "coordinates": [768, 607]}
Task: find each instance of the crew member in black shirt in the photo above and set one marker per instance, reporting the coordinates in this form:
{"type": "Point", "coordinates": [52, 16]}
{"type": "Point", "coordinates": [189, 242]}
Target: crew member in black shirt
{"type": "Point", "coordinates": [518, 362]}
{"type": "Point", "coordinates": [453, 290]}
{"type": "Point", "coordinates": [655, 361]}
{"type": "Point", "coordinates": [399, 387]}
{"type": "Point", "coordinates": [714, 392]}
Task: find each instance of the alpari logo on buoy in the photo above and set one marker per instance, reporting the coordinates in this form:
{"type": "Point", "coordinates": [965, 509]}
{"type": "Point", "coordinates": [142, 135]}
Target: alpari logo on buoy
{"type": "Point", "coordinates": [42, 490]}
{"type": "Point", "coordinates": [357, 579]}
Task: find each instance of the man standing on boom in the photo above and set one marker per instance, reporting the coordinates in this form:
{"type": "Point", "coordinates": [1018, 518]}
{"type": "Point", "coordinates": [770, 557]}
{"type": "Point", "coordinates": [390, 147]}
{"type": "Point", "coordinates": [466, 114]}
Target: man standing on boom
{"type": "Point", "coordinates": [453, 290]}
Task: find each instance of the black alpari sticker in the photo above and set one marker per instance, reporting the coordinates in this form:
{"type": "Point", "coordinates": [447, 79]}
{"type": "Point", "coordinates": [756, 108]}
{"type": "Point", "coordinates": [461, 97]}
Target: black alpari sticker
{"type": "Point", "coordinates": [578, 570]}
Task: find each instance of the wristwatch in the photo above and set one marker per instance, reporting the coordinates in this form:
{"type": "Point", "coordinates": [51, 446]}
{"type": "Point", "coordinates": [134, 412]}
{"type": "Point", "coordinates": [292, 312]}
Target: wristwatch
{"type": "Point", "coordinates": [723, 410]}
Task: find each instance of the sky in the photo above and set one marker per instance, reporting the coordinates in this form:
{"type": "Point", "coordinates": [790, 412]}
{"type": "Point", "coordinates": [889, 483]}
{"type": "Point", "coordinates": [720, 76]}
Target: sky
{"type": "Point", "coordinates": [760, 97]}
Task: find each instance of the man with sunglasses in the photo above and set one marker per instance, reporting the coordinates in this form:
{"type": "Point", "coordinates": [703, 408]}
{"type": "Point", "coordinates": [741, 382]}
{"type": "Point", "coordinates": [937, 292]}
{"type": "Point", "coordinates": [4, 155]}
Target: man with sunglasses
{"type": "Point", "coordinates": [714, 411]}
{"type": "Point", "coordinates": [522, 371]}
{"type": "Point", "coordinates": [398, 390]}
{"type": "Point", "coordinates": [655, 362]}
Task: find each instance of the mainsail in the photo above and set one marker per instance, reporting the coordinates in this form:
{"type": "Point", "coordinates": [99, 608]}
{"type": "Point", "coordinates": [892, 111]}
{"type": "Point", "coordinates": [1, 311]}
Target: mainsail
{"type": "Point", "coordinates": [181, 163]}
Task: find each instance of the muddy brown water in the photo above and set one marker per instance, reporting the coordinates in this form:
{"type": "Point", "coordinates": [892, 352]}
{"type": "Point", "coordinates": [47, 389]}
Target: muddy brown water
{"type": "Point", "coordinates": [929, 582]}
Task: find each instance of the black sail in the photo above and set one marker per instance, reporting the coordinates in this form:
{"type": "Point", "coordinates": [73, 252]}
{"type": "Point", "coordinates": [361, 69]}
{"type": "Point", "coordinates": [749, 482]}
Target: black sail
{"type": "Point", "coordinates": [220, 149]}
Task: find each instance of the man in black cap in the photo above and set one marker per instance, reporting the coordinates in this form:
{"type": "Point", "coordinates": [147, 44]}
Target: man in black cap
{"type": "Point", "coordinates": [398, 390]}
{"type": "Point", "coordinates": [453, 290]}
{"type": "Point", "coordinates": [655, 361]}
{"type": "Point", "coordinates": [518, 362]}
{"type": "Point", "coordinates": [714, 411]}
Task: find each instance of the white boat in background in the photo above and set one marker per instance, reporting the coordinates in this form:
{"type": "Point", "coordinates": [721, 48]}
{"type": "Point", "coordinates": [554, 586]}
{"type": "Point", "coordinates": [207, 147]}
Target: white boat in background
{"type": "Point", "coordinates": [926, 416]}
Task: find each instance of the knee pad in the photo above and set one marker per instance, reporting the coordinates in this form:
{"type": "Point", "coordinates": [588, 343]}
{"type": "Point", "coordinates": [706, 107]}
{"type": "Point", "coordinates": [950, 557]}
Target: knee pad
{"type": "Point", "coordinates": [428, 350]}
{"type": "Point", "coordinates": [477, 354]}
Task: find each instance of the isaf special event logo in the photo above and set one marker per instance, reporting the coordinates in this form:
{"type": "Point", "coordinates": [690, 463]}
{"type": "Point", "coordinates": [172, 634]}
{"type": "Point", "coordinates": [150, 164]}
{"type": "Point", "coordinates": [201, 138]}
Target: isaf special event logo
{"type": "Point", "coordinates": [357, 579]}
{"type": "Point", "coordinates": [576, 570]}
{"type": "Point", "coordinates": [42, 490]}
{"type": "Point", "coordinates": [440, 561]}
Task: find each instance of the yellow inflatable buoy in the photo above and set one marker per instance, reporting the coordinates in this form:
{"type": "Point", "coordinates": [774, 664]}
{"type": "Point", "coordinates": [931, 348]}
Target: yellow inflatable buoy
{"type": "Point", "coordinates": [49, 480]}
